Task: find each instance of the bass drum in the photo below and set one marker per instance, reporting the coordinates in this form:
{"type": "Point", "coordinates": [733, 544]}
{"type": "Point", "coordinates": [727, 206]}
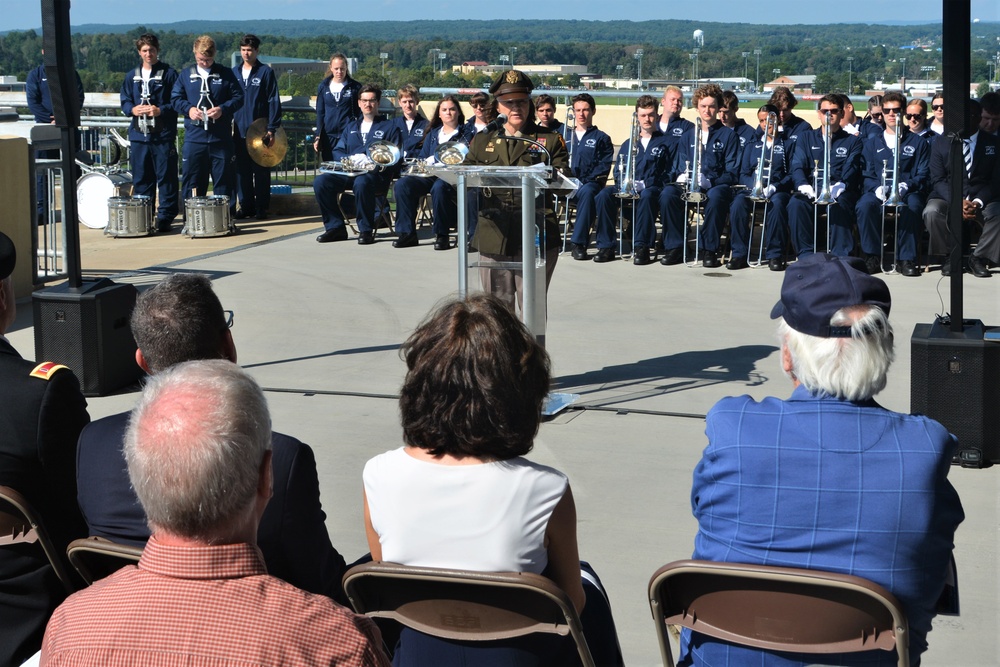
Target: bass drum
{"type": "Point", "coordinates": [93, 191]}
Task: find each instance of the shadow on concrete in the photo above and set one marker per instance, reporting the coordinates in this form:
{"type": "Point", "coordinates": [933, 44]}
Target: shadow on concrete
{"type": "Point", "coordinates": [335, 353]}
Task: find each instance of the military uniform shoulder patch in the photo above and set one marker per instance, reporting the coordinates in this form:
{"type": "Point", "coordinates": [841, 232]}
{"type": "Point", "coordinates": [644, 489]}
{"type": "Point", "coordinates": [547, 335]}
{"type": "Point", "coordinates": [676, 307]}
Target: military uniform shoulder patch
{"type": "Point", "coordinates": [46, 369]}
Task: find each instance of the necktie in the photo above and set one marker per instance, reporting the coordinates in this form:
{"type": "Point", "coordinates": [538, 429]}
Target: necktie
{"type": "Point", "coordinates": [967, 154]}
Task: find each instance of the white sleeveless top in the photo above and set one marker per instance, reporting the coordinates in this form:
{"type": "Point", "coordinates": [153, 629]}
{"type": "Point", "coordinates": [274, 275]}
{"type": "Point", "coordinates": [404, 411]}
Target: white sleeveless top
{"type": "Point", "coordinates": [488, 517]}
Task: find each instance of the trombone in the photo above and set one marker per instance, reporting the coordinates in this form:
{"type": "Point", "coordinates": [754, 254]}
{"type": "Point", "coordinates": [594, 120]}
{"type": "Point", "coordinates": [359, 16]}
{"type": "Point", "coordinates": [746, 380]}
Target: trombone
{"type": "Point", "coordinates": [693, 194]}
{"type": "Point", "coordinates": [821, 183]}
{"type": "Point", "coordinates": [890, 186]}
{"type": "Point", "coordinates": [626, 180]}
{"type": "Point", "coordinates": [569, 132]}
{"type": "Point", "coordinates": [381, 155]}
{"type": "Point", "coordinates": [762, 180]}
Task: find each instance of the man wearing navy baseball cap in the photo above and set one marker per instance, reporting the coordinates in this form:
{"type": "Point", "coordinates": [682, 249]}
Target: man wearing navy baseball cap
{"type": "Point", "coordinates": [828, 479]}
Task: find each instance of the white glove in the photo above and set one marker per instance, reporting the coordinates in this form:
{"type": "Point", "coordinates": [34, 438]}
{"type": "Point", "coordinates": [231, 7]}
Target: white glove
{"type": "Point", "coordinates": [808, 191]}
{"type": "Point", "coordinates": [837, 189]}
{"type": "Point", "coordinates": [902, 188]}
{"type": "Point", "coordinates": [770, 190]}
{"type": "Point", "coordinates": [880, 192]}
{"type": "Point", "coordinates": [430, 160]}
{"type": "Point", "coordinates": [683, 178]}
{"type": "Point", "coordinates": [640, 186]}
{"type": "Point", "coordinates": [703, 182]}
{"type": "Point", "coordinates": [359, 159]}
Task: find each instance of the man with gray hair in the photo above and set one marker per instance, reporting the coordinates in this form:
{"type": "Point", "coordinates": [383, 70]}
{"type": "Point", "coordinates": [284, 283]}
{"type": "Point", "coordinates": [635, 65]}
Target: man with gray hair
{"type": "Point", "coordinates": [181, 319]}
{"type": "Point", "coordinates": [199, 455]}
{"type": "Point", "coordinates": [828, 479]}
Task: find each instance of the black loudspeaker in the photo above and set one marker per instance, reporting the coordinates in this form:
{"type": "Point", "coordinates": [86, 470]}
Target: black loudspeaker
{"type": "Point", "coordinates": [59, 68]}
{"type": "Point", "coordinates": [953, 379]}
{"type": "Point", "coordinates": [87, 329]}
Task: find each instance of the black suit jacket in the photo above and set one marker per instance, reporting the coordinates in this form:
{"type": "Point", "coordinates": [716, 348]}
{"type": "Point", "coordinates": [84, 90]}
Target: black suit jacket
{"type": "Point", "coordinates": [292, 533]}
{"type": "Point", "coordinates": [983, 184]}
{"type": "Point", "coordinates": [39, 424]}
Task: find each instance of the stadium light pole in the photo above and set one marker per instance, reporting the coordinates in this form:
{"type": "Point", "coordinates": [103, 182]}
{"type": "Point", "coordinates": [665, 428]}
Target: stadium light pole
{"type": "Point", "coordinates": [746, 55]}
{"type": "Point", "coordinates": [638, 57]}
{"type": "Point", "coordinates": [850, 75]}
{"type": "Point", "coordinates": [756, 79]}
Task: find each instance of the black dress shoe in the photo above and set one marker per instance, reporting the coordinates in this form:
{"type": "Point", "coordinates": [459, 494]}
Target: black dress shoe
{"type": "Point", "coordinates": [262, 215]}
{"type": "Point", "coordinates": [336, 234]}
{"type": "Point", "coordinates": [672, 257]}
{"type": "Point", "coordinates": [242, 215]}
{"type": "Point", "coordinates": [409, 240]}
{"type": "Point", "coordinates": [641, 256]}
{"type": "Point", "coordinates": [710, 259]}
{"type": "Point", "coordinates": [946, 268]}
{"type": "Point", "coordinates": [580, 252]}
{"type": "Point", "coordinates": [442, 242]}
{"type": "Point", "coordinates": [908, 268]}
{"type": "Point", "coordinates": [366, 238]}
{"type": "Point", "coordinates": [873, 264]}
{"type": "Point", "coordinates": [776, 264]}
{"type": "Point", "coordinates": [604, 255]}
{"type": "Point", "coordinates": [737, 263]}
{"type": "Point", "coordinates": [163, 226]}
{"type": "Point", "coordinates": [979, 267]}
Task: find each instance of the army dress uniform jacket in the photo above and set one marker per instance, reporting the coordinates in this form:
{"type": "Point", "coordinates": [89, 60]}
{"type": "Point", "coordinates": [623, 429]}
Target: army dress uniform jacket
{"type": "Point", "coordinates": [498, 231]}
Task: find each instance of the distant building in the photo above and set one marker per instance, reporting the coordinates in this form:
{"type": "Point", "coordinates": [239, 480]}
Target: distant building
{"type": "Point", "coordinates": [798, 84]}
{"type": "Point", "coordinates": [297, 66]}
{"type": "Point", "coordinates": [473, 67]}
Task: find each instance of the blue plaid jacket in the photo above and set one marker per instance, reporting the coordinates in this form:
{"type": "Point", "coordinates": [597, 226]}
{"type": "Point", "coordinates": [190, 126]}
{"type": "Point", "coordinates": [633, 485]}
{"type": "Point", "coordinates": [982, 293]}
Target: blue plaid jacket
{"type": "Point", "coordinates": [821, 483]}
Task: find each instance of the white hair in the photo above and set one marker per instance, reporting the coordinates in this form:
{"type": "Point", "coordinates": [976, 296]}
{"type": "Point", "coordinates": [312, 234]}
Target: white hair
{"type": "Point", "coordinates": [194, 447]}
{"type": "Point", "coordinates": [853, 369]}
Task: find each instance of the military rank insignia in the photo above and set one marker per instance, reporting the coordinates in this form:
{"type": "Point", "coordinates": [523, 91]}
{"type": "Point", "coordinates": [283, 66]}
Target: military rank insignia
{"type": "Point", "coordinates": [46, 369]}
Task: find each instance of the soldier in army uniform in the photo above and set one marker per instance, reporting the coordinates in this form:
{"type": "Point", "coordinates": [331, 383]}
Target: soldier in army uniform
{"type": "Point", "coordinates": [41, 415]}
{"type": "Point", "coordinates": [498, 230]}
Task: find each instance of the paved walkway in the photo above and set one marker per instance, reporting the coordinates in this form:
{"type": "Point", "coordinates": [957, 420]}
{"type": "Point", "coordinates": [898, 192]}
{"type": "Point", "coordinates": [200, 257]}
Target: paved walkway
{"type": "Point", "coordinates": [649, 350]}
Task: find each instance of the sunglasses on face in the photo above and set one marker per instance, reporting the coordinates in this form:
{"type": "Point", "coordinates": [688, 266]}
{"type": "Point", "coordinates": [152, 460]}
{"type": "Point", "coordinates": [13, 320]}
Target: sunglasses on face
{"type": "Point", "coordinates": [893, 110]}
{"type": "Point", "coordinates": [477, 105]}
{"type": "Point", "coordinates": [937, 107]}
{"type": "Point", "coordinates": [914, 116]}
{"type": "Point", "coordinates": [876, 115]}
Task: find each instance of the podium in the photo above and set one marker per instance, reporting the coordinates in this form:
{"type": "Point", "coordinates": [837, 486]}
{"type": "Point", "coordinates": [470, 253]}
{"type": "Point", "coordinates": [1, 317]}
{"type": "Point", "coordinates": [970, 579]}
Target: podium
{"type": "Point", "coordinates": [530, 180]}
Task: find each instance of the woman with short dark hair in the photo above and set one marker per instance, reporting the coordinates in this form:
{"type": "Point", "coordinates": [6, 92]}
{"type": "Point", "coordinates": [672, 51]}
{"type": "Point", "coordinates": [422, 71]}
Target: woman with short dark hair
{"type": "Point", "coordinates": [460, 494]}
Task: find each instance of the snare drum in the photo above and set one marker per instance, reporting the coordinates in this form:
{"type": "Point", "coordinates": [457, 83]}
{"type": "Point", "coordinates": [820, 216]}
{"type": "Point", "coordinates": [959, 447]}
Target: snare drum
{"type": "Point", "coordinates": [93, 191]}
{"type": "Point", "coordinates": [207, 216]}
{"type": "Point", "coordinates": [129, 216]}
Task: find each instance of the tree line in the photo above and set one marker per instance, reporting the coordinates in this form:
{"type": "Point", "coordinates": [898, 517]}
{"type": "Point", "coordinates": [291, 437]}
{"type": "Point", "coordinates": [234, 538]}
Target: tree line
{"type": "Point", "coordinates": [103, 54]}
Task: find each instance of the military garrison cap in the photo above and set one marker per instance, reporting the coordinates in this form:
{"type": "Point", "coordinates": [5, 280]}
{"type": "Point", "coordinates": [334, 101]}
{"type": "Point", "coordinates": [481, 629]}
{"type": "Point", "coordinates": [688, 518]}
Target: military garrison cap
{"type": "Point", "coordinates": [512, 81]}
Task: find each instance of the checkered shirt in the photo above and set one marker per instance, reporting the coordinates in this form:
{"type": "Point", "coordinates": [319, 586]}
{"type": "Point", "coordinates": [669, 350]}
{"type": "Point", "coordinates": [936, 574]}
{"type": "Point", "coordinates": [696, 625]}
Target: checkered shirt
{"type": "Point", "coordinates": [212, 606]}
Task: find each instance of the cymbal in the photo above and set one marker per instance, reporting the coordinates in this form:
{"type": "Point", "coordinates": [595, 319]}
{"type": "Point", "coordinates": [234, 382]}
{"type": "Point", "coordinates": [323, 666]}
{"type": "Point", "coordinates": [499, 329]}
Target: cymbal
{"type": "Point", "coordinates": [266, 156]}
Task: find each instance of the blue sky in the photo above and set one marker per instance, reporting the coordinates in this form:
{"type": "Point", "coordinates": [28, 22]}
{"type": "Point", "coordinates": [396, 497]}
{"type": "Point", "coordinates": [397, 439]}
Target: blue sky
{"type": "Point", "coordinates": [25, 14]}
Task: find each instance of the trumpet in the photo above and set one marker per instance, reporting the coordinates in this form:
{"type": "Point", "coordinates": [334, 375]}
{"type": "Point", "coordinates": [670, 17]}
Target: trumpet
{"type": "Point", "coordinates": [626, 168]}
{"type": "Point", "coordinates": [146, 123]}
{"type": "Point", "coordinates": [381, 155]}
{"type": "Point", "coordinates": [569, 127]}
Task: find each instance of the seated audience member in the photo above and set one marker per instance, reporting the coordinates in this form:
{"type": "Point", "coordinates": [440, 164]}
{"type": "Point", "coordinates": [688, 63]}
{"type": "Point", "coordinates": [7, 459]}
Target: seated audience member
{"type": "Point", "coordinates": [828, 479]}
{"type": "Point", "coordinates": [916, 119]}
{"type": "Point", "coordinates": [990, 119]}
{"type": "Point", "coordinates": [198, 449]}
{"type": "Point", "coordinates": [545, 116]}
{"type": "Point", "coordinates": [41, 414]}
{"type": "Point", "coordinates": [448, 124]}
{"type": "Point", "coordinates": [181, 319]}
{"type": "Point", "coordinates": [460, 493]}
{"type": "Point", "coordinates": [980, 196]}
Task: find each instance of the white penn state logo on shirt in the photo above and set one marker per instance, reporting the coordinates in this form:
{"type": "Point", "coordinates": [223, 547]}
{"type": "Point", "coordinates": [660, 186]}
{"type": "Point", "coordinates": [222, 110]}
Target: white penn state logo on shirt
{"type": "Point", "coordinates": [590, 143]}
{"type": "Point", "coordinates": [841, 151]}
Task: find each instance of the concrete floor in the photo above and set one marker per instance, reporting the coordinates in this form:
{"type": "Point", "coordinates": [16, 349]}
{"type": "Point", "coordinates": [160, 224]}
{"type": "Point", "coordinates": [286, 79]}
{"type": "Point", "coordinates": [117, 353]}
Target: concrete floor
{"type": "Point", "coordinates": [649, 349]}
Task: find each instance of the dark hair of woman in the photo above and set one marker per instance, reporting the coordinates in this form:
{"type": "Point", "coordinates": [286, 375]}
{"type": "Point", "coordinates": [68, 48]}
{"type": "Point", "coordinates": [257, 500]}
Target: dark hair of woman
{"type": "Point", "coordinates": [476, 382]}
{"type": "Point", "coordinates": [436, 118]}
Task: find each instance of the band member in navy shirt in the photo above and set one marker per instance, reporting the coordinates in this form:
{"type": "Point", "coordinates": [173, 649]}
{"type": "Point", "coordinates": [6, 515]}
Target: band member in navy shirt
{"type": "Point", "coordinates": [260, 100]}
{"type": "Point", "coordinates": [336, 106]}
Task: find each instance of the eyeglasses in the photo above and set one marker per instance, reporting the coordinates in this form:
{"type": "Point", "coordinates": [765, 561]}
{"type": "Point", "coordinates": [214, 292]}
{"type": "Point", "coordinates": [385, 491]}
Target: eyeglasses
{"type": "Point", "coordinates": [228, 314]}
{"type": "Point", "coordinates": [876, 115]}
{"type": "Point", "coordinates": [830, 112]}
{"type": "Point", "coordinates": [893, 110]}
{"type": "Point", "coordinates": [367, 101]}
{"type": "Point", "coordinates": [937, 107]}
{"type": "Point", "coordinates": [914, 116]}
{"type": "Point", "coordinates": [477, 105]}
